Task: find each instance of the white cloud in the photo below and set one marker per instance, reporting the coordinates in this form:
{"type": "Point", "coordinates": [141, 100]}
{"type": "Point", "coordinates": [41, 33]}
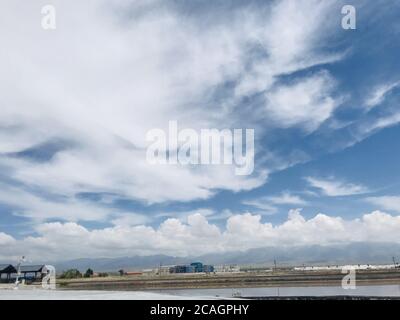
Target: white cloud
{"type": "Point", "coordinates": [262, 204]}
{"type": "Point", "coordinates": [41, 208]}
{"type": "Point", "coordinates": [101, 80]}
{"type": "Point", "coordinates": [289, 48]}
{"type": "Point", "coordinates": [388, 117]}
{"type": "Point", "coordinates": [307, 102]}
{"type": "Point", "coordinates": [379, 124]}
{"type": "Point", "coordinates": [112, 71]}
{"type": "Point", "coordinates": [6, 239]}
{"type": "Point", "coordinates": [267, 205]}
{"type": "Point", "coordinates": [197, 236]}
{"type": "Point", "coordinates": [183, 216]}
{"type": "Point", "coordinates": [391, 203]}
{"type": "Point", "coordinates": [129, 219]}
{"type": "Point", "coordinates": [335, 188]}
{"type": "Point", "coordinates": [364, 128]}
{"type": "Point", "coordinates": [287, 198]}
{"type": "Point", "coordinates": [126, 172]}
{"type": "Point", "coordinates": [120, 80]}
{"type": "Point", "coordinates": [378, 95]}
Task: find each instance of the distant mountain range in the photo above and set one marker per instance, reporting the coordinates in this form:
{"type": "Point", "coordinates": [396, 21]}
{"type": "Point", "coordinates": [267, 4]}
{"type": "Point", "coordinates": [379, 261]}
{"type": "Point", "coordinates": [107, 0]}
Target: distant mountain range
{"type": "Point", "coordinates": [354, 253]}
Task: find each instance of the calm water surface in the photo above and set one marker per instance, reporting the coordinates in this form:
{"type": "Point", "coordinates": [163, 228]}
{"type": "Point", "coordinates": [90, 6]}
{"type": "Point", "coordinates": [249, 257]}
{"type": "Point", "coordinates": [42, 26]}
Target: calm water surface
{"type": "Point", "coordinates": [385, 290]}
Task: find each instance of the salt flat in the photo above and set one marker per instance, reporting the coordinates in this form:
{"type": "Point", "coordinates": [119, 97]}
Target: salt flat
{"type": "Point", "coordinates": [38, 294]}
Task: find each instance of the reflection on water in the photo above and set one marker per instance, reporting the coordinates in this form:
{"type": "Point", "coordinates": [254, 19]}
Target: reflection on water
{"type": "Point", "coordinates": [385, 290]}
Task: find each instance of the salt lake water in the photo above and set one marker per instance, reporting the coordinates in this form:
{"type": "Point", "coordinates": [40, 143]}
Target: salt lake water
{"type": "Point", "coordinates": [38, 294]}
{"type": "Point", "coordinates": [379, 291]}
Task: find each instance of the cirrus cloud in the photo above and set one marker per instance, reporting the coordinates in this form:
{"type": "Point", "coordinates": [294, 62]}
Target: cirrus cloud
{"type": "Point", "coordinates": [336, 188]}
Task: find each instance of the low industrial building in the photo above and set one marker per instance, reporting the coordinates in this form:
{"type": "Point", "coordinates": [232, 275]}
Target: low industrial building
{"type": "Point", "coordinates": [233, 268]}
{"type": "Point", "coordinates": [348, 267]}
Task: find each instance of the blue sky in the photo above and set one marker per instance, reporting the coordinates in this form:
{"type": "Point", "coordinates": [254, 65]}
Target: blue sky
{"type": "Point", "coordinates": [78, 100]}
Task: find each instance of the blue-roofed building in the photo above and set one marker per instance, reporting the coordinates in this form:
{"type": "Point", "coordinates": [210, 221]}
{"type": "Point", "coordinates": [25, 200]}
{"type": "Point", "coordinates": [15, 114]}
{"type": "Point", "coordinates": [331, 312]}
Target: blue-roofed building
{"type": "Point", "coordinates": [198, 266]}
{"type": "Point", "coordinates": [194, 267]}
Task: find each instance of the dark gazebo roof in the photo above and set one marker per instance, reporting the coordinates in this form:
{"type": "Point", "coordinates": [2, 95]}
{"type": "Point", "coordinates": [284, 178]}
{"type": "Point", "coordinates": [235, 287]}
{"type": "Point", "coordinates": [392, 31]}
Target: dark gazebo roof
{"type": "Point", "coordinates": [28, 269]}
{"type": "Point", "coordinates": [7, 268]}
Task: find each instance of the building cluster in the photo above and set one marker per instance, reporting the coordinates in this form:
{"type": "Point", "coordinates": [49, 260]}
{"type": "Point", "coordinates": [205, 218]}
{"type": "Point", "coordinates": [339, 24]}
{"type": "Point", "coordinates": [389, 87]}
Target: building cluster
{"type": "Point", "coordinates": [194, 267]}
{"type": "Point", "coordinates": [232, 268]}
{"type": "Point", "coordinates": [348, 267]}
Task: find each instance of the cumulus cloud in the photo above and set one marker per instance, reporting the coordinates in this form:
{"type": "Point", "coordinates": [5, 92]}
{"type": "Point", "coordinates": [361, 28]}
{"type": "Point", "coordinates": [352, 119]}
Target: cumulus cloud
{"type": "Point", "coordinates": [335, 188]}
{"type": "Point", "coordinates": [198, 236]}
{"type": "Point", "coordinates": [129, 219]}
{"type": "Point", "coordinates": [391, 203]}
{"type": "Point", "coordinates": [6, 239]}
